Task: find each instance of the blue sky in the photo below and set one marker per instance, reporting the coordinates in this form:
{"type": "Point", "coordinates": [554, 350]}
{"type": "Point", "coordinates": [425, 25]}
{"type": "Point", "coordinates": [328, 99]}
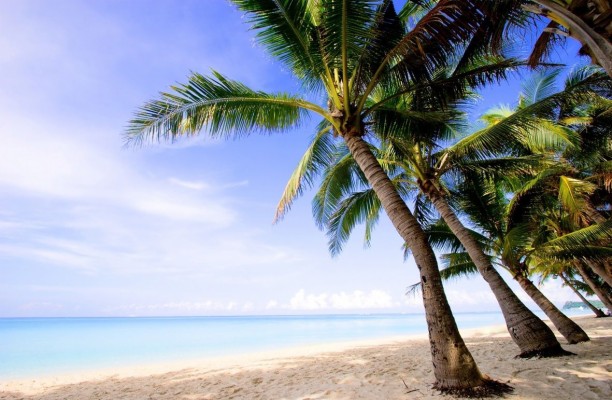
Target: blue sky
{"type": "Point", "coordinates": [90, 228]}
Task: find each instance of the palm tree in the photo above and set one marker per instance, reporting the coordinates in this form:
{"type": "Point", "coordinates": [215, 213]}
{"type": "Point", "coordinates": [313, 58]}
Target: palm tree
{"type": "Point", "coordinates": [422, 168]}
{"type": "Point", "coordinates": [509, 249]}
{"type": "Point", "coordinates": [346, 49]}
{"type": "Point", "coordinates": [423, 165]}
{"type": "Point", "coordinates": [574, 191]}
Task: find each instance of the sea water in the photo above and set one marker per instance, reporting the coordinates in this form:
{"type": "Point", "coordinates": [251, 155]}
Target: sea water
{"type": "Point", "coordinates": [32, 347]}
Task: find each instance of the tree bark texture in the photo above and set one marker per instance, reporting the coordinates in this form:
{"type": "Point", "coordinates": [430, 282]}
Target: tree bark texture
{"type": "Point", "coordinates": [599, 269]}
{"type": "Point", "coordinates": [599, 47]}
{"type": "Point", "coordinates": [570, 330]}
{"type": "Point", "coordinates": [530, 333]}
{"type": "Point", "coordinates": [598, 313]}
{"type": "Point", "coordinates": [454, 366]}
{"type": "Point", "coordinates": [599, 291]}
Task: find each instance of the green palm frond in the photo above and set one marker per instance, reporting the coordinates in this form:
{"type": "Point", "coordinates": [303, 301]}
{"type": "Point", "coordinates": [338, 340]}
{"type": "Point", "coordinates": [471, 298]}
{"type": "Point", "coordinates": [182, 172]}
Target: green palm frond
{"type": "Point", "coordinates": [484, 202]}
{"type": "Point", "coordinates": [517, 242]}
{"type": "Point", "coordinates": [386, 31]}
{"type": "Point", "coordinates": [499, 169]}
{"type": "Point", "coordinates": [457, 265]}
{"type": "Point", "coordinates": [574, 195]}
{"type": "Point", "coordinates": [288, 30]}
{"type": "Point", "coordinates": [525, 125]}
{"type": "Point", "coordinates": [592, 253]}
{"type": "Point", "coordinates": [413, 11]}
{"type": "Point", "coordinates": [428, 46]}
{"type": "Point", "coordinates": [441, 238]}
{"type": "Point", "coordinates": [447, 86]}
{"type": "Point", "coordinates": [538, 87]}
{"type": "Point", "coordinates": [591, 76]}
{"type": "Point", "coordinates": [340, 178]}
{"type": "Point", "coordinates": [357, 208]}
{"type": "Point", "coordinates": [591, 235]}
{"type": "Point", "coordinates": [319, 154]}
{"type": "Point", "coordinates": [222, 106]}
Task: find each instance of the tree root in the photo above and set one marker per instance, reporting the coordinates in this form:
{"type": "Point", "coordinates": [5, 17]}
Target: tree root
{"type": "Point", "coordinates": [551, 352]}
{"type": "Point", "coordinates": [489, 388]}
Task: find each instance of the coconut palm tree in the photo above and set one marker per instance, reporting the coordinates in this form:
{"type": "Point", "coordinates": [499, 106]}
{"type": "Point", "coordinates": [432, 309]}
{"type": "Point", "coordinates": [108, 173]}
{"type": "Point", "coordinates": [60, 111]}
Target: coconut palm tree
{"type": "Point", "coordinates": [424, 165]}
{"type": "Point", "coordinates": [425, 169]}
{"type": "Point", "coordinates": [346, 50]}
{"type": "Point", "coordinates": [511, 249]}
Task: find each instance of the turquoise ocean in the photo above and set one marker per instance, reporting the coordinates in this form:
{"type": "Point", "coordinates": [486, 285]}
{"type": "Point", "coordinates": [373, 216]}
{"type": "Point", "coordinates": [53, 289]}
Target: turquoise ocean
{"type": "Point", "coordinates": [31, 347]}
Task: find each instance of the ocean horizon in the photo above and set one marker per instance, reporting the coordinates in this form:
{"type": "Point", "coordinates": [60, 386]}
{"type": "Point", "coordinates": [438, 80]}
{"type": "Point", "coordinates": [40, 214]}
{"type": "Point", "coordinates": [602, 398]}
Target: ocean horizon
{"type": "Point", "coordinates": [31, 347]}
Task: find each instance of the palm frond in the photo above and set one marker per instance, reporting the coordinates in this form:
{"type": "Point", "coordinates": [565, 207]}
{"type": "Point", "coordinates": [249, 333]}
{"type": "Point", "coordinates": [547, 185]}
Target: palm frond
{"type": "Point", "coordinates": [353, 210]}
{"type": "Point", "coordinates": [288, 30]}
{"type": "Point", "coordinates": [340, 178]}
{"type": "Point", "coordinates": [574, 195]}
{"type": "Point", "coordinates": [525, 124]}
{"type": "Point", "coordinates": [544, 44]}
{"type": "Point", "coordinates": [538, 87]}
{"type": "Point", "coordinates": [318, 156]}
{"type": "Point", "coordinates": [222, 106]}
{"type": "Point", "coordinates": [457, 265]}
{"type": "Point", "coordinates": [590, 235]}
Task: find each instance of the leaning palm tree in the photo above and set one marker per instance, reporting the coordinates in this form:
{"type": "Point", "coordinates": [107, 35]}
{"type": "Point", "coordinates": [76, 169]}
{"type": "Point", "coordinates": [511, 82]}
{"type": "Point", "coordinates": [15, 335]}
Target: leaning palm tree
{"type": "Point", "coordinates": [511, 249]}
{"type": "Point", "coordinates": [345, 49]}
{"type": "Point", "coordinates": [423, 164]}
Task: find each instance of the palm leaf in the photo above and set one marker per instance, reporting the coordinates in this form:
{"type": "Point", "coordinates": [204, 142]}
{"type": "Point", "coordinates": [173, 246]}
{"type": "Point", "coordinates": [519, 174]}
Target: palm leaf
{"type": "Point", "coordinates": [574, 195]}
{"type": "Point", "coordinates": [222, 106]}
{"type": "Point", "coordinates": [457, 265]}
{"type": "Point", "coordinates": [318, 156]}
{"type": "Point", "coordinates": [288, 30]}
{"type": "Point", "coordinates": [350, 212]}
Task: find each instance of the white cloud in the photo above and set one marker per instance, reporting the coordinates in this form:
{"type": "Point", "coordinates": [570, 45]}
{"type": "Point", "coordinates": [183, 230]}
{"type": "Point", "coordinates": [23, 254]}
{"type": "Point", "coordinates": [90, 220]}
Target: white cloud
{"type": "Point", "coordinates": [464, 298]}
{"type": "Point", "coordinates": [357, 300]}
{"type": "Point", "coordinates": [199, 185]}
{"type": "Point", "coordinates": [272, 304]}
{"type": "Point", "coordinates": [183, 308]}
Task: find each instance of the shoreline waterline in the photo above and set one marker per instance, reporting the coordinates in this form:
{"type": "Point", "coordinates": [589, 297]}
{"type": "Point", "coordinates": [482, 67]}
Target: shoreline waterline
{"type": "Point", "coordinates": [36, 347]}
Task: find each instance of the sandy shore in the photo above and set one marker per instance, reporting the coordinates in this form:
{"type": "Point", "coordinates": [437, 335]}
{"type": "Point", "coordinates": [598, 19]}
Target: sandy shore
{"type": "Point", "coordinates": [392, 369]}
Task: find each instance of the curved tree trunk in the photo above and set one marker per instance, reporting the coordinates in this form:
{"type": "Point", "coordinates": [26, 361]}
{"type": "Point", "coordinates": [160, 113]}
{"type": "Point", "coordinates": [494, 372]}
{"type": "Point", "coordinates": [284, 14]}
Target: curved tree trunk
{"type": "Point", "coordinates": [570, 330]}
{"type": "Point", "coordinates": [598, 313]}
{"type": "Point", "coordinates": [599, 47]}
{"type": "Point", "coordinates": [530, 333]}
{"type": "Point", "coordinates": [454, 366]}
{"type": "Point", "coordinates": [588, 279]}
{"type": "Point", "coordinates": [600, 270]}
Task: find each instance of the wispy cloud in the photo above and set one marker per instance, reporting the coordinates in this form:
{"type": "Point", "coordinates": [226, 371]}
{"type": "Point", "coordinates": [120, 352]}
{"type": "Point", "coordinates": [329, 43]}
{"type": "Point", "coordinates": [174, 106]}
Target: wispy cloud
{"type": "Point", "coordinates": [356, 300]}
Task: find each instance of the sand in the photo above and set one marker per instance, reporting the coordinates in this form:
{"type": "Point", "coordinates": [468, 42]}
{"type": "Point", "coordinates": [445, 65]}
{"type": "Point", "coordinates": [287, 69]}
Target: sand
{"type": "Point", "coordinates": [391, 369]}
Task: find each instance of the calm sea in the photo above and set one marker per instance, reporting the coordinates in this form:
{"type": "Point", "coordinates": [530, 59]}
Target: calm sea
{"type": "Point", "coordinates": [42, 346]}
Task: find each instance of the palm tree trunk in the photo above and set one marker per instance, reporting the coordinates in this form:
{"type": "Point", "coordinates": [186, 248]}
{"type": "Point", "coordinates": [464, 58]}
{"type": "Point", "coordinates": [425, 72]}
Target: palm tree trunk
{"type": "Point", "coordinates": [600, 270]}
{"type": "Point", "coordinates": [570, 330]}
{"type": "Point", "coordinates": [599, 291]}
{"type": "Point", "coordinates": [454, 366]}
{"type": "Point", "coordinates": [598, 313]}
{"type": "Point", "coordinates": [530, 333]}
{"type": "Point", "coordinates": [599, 47]}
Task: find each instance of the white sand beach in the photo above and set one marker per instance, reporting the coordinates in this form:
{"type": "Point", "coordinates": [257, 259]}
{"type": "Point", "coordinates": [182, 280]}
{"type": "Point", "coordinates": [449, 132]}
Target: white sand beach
{"type": "Point", "coordinates": [391, 369]}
